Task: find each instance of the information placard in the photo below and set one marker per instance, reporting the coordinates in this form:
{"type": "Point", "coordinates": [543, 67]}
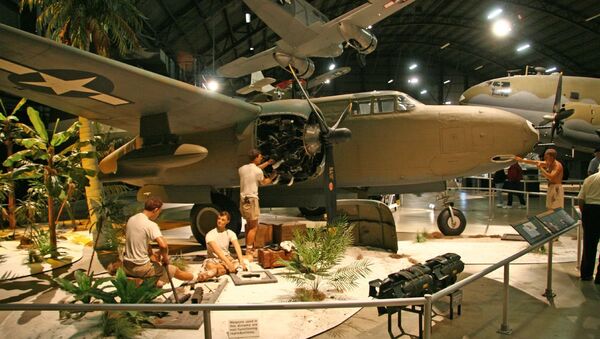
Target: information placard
{"type": "Point", "coordinates": [556, 220]}
{"type": "Point", "coordinates": [532, 230]}
{"type": "Point", "coordinates": [243, 328]}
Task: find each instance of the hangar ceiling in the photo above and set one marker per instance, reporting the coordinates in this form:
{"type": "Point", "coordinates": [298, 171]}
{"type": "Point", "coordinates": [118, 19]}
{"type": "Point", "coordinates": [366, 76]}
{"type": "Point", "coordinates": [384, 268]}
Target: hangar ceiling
{"type": "Point", "coordinates": [201, 35]}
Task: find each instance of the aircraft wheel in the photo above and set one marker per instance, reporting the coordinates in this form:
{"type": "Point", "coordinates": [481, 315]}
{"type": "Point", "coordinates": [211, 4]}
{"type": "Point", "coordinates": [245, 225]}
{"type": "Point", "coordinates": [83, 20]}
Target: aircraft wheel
{"type": "Point", "coordinates": [312, 211]}
{"type": "Point", "coordinates": [204, 219]}
{"type": "Point", "coordinates": [451, 226]}
{"type": "Point", "coordinates": [204, 216]}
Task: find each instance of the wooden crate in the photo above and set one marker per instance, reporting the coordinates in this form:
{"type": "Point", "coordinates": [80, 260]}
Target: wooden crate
{"type": "Point", "coordinates": [267, 258]}
{"type": "Point", "coordinates": [264, 235]}
{"type": "Point", "coordinates": [286, 232]}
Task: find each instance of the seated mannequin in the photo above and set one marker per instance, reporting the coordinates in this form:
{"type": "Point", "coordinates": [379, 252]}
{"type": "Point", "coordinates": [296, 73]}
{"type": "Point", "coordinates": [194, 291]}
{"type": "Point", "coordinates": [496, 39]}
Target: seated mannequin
{"type": "Point", "coordinates": [217, 243]}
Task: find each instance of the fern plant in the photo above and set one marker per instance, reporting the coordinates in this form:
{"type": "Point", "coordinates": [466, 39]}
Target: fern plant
{"type": "Point", "coordinates": [318, 253]}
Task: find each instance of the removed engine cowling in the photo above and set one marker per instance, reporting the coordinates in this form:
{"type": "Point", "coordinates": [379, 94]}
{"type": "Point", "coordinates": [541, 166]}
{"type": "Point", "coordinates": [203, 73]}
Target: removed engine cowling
{"type": "Point", "coordinates": [358, 38]}
{"type": "Point", "coordinates": [294, 142]}
{"type": "Point", "coordinates": [304, 67]}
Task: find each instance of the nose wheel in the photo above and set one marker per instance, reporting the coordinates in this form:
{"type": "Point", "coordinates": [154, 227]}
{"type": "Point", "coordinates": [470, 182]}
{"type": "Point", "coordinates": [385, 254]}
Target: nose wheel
{"type": "Point", "coordinates": [451, 221]}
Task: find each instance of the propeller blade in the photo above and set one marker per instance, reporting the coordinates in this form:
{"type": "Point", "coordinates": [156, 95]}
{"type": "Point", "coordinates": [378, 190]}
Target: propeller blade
{"type": "Point", "coordinates": [563, 114]}
{"type": "Point", "coordinates": [321, 117]}
{"type": "Point", "coordinates": [343, 116]}
{"type": "Point", "coordinates": [558, 96]}
{"type": "Point", "coordinates": [329, 184]}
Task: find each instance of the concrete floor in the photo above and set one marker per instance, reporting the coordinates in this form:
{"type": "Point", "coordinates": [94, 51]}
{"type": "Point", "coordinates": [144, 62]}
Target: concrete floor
{"type": "Point", "coordinates": [574, 313]}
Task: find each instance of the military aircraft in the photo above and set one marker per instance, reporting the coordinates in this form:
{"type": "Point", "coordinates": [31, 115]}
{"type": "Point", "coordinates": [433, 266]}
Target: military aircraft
{"type": "Point", "coordinates": [575, 102]}
{"type": "Point", "coordinates": [282, 90]}
{"type": "Point", "coordinates": [305, 32]}
{"type": "Point", "coordinates": [192, 141]}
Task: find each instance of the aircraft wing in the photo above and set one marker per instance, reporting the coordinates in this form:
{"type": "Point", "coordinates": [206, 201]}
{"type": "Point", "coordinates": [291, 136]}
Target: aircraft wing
{"type": "Point", "coordinates": [369, 13]}
{"type": "Point", "coordinates": [108, 91]}
{"type": "Point", "coordinates": [242, 66]}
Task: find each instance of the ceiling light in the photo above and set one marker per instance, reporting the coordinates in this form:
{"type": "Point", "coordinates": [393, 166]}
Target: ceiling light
{"type": "Point", "coordinates": [331, 66]}
{"type": "Point", "coordinates": [448, 103]}
{"type": "Point", "coordinates": [390, 81]}
{"type": "Point", "coordinates": [413, 80]}
{"type": "Point", "coordinates": [494, 13]}
{"type": "Point", "coordinates": [551, 69]}
{"type": "Point", "coordinates": [413, 66]}
{"type": "Point", "coordinates": [424, 91]}
{"type": "Point", "coordinates": [445, 45]}
{"type": "Point", "coordinates": [251, 48]}
{"type": "Point", "coordinates": [447, 82]}
{"type": "Point", "coordinates": [478, 68]}
{"type": "Point", "coordinates": [501, 28]}
{"type": "Point", "coordinates": [248, 18]}
{"type": "Point", "coordinates": [212, 85]}
{"type": "Point", "coordinates": [370, 26]}
{"type": "Point", "coordinates": [327, 81]}
{"type": "Point", "coordinates": [523, 47]}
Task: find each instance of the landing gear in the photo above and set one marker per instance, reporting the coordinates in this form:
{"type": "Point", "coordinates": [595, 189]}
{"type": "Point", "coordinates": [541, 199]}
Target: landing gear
{"type": "Point", "coordinates": [451, 222]}
{"type": "Point", "coordinates": [203, 217]}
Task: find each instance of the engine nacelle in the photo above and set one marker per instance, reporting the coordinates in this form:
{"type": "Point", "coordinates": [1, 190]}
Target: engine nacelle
{"type": "Point", "coordinates": [293, 141]}
{"type": "Point", "coordinates": [359, 38]}
{"type": "Point", "coordinates": [304, 67]}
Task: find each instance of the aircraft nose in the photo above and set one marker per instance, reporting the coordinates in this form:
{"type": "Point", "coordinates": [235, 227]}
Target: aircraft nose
{"type": "Point", "coordinates": [513, 135]}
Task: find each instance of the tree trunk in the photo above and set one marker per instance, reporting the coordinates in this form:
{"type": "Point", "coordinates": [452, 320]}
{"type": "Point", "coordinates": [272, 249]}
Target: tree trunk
{"type": "Point", "coordinates": [93, 192]}
{"type": "Point", "coordinates": [12, 220]}
{"type": "Point", "coordinates": [52, 224]}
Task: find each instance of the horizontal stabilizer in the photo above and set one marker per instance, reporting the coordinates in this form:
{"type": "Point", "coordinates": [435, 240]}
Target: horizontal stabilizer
{"type": "Point", "coordinates": [244, 66]}
{"type": "Point", "coordinates": [256, 86]}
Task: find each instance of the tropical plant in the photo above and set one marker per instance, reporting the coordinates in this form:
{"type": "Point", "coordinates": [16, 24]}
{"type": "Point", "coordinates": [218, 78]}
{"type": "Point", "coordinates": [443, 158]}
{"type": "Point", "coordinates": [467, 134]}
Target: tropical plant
{"type": "Point", "coordinates": [58, 171]}
{"type": "Point", "coordinates": [10, 129]}
{"type": "Point", "coordinates": [318, 252]}
{"type": "Point", "coordinates": [91, 25]}
{"type": "Point", "coordinates": [87, 288]}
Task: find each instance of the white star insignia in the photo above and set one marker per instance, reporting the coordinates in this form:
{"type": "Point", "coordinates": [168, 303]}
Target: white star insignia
{"type": "Point", "coordinates": [60, 86]}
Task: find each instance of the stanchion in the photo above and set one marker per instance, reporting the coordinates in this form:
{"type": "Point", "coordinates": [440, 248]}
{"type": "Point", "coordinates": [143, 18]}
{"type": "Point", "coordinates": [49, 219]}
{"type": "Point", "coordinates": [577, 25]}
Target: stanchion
{"type": "Point", "coordinates": [207, 329]}
{"type": "Point", "coordinates": [427, 309]}
{"type": "Point", "coordinates": [549, 294]}
{"type": "Point", "coordinates": [504, 329]}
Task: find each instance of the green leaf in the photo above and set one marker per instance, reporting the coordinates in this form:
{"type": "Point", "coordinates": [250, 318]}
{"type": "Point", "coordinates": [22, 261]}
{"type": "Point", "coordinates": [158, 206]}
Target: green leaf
{"type": "Point", "coordinates": [32, 143]}
{"type": "Point", "coordinates": [59, 138]}
{"type": "Point", "coordinates": [19, 105]}
{"type": "Point", "coordinates": [16, 158]}
{"type": "Point", "coordinates": [38, 125]}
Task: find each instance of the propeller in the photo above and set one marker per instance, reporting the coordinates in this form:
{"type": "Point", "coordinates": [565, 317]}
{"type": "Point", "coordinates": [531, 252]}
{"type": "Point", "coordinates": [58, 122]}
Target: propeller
{"type": "Point", "coordinates": [560, 113]}
{"type": "Point", "coordinates": [328, 137]}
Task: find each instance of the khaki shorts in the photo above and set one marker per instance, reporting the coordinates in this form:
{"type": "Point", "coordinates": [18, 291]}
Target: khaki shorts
{"type": "Point", "coordinates": [555, 197]}
{"type": "Point", "coordinates": [150, 269]}
{"type": "Point", "coordinates": [249, 208]}
{"type": "Point", "coordinates": [218, 264]}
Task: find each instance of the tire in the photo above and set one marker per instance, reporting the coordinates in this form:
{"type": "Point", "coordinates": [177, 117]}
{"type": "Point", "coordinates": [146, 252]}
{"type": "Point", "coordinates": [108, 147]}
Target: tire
{"type": "Point", "coordinates": [203, 217]}
{"type": "Point", "coordinates": [445, 224]}
{"type": "Point", "coordinates": [312, 211]}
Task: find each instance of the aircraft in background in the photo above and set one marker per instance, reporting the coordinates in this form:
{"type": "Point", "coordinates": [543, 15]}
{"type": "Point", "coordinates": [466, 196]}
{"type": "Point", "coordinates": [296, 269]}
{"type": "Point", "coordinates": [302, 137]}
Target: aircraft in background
{"type": "Point", "coordinates": [192, 141]}
{"type": "Point", "coordinates": [569, 107]}
{"type": "Point", "coordinates": [306, 32]}
{"type": "Point", "coordinates": [282, 90]}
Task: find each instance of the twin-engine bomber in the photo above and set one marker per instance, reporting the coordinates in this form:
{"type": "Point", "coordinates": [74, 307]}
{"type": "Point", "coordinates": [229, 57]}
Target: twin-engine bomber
{"type": "Point", "coordinates": [191, 141]}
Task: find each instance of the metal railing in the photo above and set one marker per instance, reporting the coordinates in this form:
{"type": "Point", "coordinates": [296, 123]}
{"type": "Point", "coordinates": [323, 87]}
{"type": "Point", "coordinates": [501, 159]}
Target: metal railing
{"type": "Point", "coordinates": [492, 196]}
{"type": "Point", "coordinates": [427, 300]}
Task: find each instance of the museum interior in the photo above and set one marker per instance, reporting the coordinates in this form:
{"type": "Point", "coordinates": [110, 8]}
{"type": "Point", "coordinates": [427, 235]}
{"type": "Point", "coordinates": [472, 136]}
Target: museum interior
{"type": "Point", "coordinates": [300, 169]}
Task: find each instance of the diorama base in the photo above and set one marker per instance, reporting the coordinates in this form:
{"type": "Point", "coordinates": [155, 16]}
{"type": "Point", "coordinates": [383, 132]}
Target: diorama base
{"type": "Point", "coordinates": [204, 293]}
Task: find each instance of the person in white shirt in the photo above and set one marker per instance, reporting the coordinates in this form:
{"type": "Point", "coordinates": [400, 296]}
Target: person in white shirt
{"type": "Point", "coordinates": [218, 240]}
{"type": "Point", "coordinates": [139, 260]}
{"type": "Point", "coordinates": [251, 176]}
{"type": "Point", "coordinates": [589, 205]}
